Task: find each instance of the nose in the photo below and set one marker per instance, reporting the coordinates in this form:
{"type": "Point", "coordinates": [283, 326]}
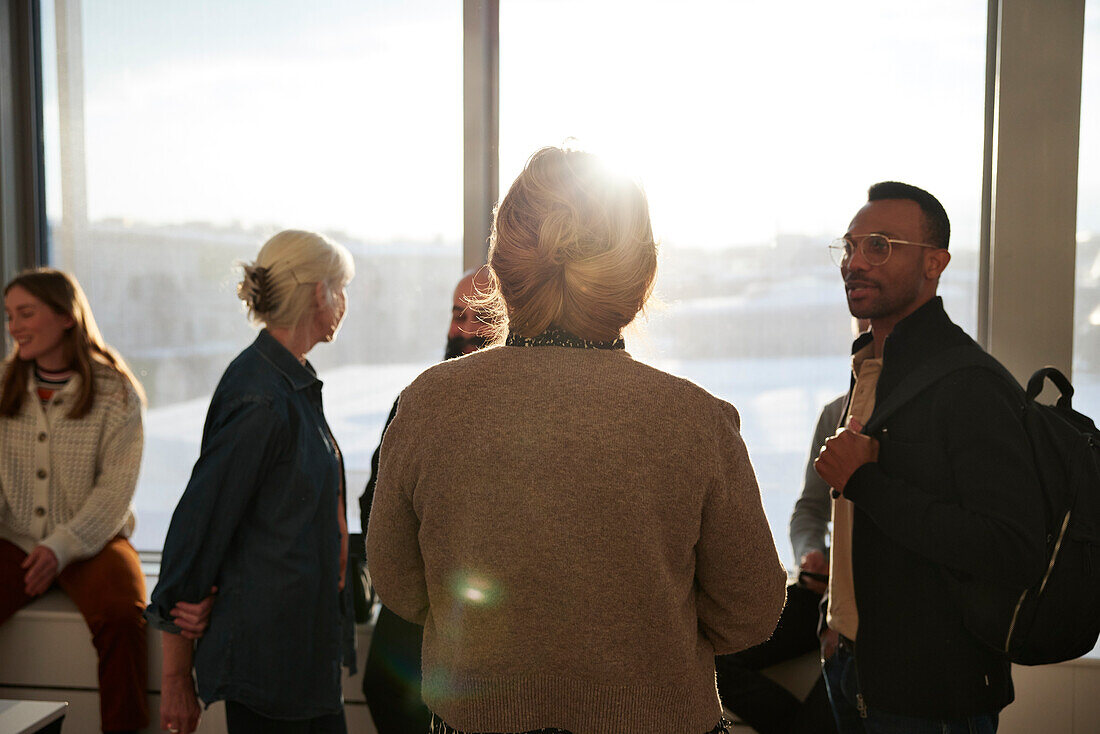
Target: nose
{"type": "Point", "coordinates": [856, 262]}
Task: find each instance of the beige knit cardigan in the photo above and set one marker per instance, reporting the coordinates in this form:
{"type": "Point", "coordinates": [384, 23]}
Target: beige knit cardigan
{"type": "Point", "coordinates": [67, 483]}
{"type": "Point", "coordinates": [579, 533]}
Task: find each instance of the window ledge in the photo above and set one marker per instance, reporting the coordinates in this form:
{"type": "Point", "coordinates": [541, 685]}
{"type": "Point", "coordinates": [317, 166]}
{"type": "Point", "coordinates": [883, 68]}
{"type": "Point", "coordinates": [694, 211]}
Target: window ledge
{"type": "Point", "coordinates": [46, 645]}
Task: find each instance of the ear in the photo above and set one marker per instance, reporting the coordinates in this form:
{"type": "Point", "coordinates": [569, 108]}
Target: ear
{"type": "Point", "coordinates": [320, 295]}
{"type": "Point", "coordinates": [935, 262]}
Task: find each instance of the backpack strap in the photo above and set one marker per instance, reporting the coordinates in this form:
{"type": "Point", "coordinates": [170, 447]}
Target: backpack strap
{"type": "Point", "coordinates": [1065, 389]}
{"type": "Point", "coordinates": [929, 373]}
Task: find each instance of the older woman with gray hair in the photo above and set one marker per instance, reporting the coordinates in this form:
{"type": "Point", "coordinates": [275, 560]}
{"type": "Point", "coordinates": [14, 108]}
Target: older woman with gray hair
{"type": "Point", "coordinates": [578, 563]}
{"type": "Point", "coordinates": [263, 520]}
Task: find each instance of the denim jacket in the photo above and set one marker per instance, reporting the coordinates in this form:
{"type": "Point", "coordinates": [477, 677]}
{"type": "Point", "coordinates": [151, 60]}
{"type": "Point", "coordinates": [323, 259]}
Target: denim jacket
{"type": "Point", "coordinates": [259, 521]}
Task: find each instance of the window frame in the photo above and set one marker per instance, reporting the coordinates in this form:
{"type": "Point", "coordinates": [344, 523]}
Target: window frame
{"type": "Point", "coordinates": [1030, 96]}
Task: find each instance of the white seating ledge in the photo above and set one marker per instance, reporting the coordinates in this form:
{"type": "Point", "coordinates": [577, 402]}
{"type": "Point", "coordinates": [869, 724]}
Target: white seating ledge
{"type": "Point", "coordinates": [46, 654]}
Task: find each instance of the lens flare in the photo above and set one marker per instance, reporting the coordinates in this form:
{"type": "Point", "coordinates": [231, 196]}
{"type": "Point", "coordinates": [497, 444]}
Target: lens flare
{"type": "Point", "coordinates": [475, 589]}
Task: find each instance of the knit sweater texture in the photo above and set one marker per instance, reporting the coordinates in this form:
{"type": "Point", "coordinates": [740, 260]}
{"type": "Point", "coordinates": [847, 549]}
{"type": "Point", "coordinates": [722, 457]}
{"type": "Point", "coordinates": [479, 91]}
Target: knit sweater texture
{"type": "Point", "coordinates": [579, 533]}
{"type": "Point", "coordinates": [67, 483]}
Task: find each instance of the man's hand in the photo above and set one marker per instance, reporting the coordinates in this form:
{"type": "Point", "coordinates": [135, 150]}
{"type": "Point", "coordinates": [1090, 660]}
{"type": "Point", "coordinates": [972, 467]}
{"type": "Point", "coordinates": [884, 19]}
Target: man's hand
{"type": "Point", "coordinates": [193, 619]}
{"type": "Point", "coordinates": [179, 706]}
{"type": "Point", "coordinates": [41, 566]}
{"type": "Point", "coordinates": [813, 562]}
{"type": "Point", "coordinates": [842, 454]}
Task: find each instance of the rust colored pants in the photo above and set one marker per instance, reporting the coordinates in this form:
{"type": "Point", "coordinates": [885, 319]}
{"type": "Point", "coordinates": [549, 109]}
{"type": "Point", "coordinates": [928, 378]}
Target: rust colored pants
{"type": "Point", "coordinates": [109, 590]}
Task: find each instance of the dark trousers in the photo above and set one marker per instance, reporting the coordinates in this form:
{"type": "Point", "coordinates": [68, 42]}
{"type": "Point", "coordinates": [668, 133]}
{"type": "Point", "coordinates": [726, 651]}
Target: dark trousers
{"type": "Point", "coordinates": [764, 704]}
{"type": "Point", "coordinates": [239, 719]}
{"type": "Point", "coordinates": [391, 678]}
{"type": "Point", "coordinates": [854, 717]}
{"type": "Point", "coordinates": [109, 591]}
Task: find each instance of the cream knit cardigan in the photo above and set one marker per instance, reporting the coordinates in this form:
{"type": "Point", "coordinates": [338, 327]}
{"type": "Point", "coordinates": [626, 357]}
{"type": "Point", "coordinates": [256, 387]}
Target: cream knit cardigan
{"type": "Point", "coordinates": [67, 483]}
{"type": "Point", "coordinates": [579, 533]}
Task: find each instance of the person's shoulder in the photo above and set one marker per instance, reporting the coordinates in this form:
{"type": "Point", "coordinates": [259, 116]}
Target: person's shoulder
{"type": "Point", "coordinates": [112, 385]}
{"type": "Point", "coordinates": [661, 379]}
{"type": "Point", "coordinates": [250, 371]}
{"type": "Point", "coordinates": [687, 401]}
{"type": "Point", "coordinates": [832, 410]}
{"type": "Point", "coordinates": [448, 376]}
{"type": "Point", "coordinates": [980, 383]}
{"type": "Point", "coordinates": [979, 387]}
{"type": "Point", "coordinates": [250, 380]}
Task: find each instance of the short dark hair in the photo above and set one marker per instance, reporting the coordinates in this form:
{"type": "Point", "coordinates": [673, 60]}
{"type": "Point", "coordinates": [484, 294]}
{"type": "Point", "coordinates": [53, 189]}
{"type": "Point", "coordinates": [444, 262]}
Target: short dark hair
{"type": "Point", "coordinates": [936, 224]}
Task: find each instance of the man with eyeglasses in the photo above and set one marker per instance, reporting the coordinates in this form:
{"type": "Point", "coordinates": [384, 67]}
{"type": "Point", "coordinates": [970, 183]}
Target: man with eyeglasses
{"type": "Point", "coordinates": [943, 497]}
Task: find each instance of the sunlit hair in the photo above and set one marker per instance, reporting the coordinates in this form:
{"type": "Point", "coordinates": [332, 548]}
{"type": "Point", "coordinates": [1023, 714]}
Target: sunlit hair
{"type": "Point", "coordinates": [62, 294]}
{"type": "Point", "coordinates": [571, 247]}
{"type": "Point", "coordinates": [278, 287]}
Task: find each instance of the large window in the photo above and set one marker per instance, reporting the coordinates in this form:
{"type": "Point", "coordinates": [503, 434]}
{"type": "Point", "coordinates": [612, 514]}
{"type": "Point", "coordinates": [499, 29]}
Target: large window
{"type": "Point", "coordinates": [181, 135]}
{"type": "Point", "coordinates": [1086, 347]}
{"type": "Point", "coordinates": [756, 138]}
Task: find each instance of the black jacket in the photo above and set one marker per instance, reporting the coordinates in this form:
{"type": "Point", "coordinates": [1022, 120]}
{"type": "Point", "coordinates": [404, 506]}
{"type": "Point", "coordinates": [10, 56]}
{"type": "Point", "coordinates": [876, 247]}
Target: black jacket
{"type": "Point", "coordinates": [953, 496]}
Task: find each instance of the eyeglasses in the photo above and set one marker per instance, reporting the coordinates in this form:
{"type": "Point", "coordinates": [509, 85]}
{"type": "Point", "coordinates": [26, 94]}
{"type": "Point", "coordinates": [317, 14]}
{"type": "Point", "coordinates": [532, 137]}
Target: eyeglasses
{"type": "Point", "coordinates": [874, 248]}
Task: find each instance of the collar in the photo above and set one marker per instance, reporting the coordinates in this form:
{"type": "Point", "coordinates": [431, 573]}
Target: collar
{"type": "Point", "coordinates": [554, 337]}
{"type": "Point", "coordinates": [915, 330]}
{"type": "Point", "coordinates": [928, 316]}
{"type": "Point", "coordinates": [917, 338]}
{"type": "Point", "coordinates": [300, 376]}
{"type": "Point", "coordinates": [866, 353]}
{"type": "Point", "coordinates": [71, 386]}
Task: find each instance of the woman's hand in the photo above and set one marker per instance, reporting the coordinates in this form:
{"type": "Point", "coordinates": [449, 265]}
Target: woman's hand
{"type": "Point", "coordinates": [41, 565]}
{"type": "Point", "coordinates": [193, 619]}
{"type": "Point", "coordinates": [179, 706]}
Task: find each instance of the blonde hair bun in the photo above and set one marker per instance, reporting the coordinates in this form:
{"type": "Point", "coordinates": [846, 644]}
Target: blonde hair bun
{"type": "Point", "coordinates": [572, 247]}
{"type": "Point", "coordinates": [277, 287]}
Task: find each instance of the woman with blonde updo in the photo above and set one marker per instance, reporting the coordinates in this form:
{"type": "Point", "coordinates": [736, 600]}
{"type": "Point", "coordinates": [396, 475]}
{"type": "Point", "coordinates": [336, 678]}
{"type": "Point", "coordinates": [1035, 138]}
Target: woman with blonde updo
{"type": "Point", "coordinates": [578, 533]}
{"type": "Point", "coordinates": [262, 518]}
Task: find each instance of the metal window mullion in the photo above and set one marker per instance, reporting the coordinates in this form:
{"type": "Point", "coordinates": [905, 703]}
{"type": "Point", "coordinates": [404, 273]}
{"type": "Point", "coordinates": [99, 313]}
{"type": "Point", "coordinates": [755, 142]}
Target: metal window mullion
{"type": "Point", "coordinates": [481, 112]}
{"type": "Point", "coordinates": [1032, 210]}
{"type": "Point", "coordinates": [22, 188]}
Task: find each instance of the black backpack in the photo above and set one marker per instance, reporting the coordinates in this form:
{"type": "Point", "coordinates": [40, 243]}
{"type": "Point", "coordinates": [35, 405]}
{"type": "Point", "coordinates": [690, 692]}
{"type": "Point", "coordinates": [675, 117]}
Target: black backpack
{"type": "Point", "coordinates": [1057, 618]}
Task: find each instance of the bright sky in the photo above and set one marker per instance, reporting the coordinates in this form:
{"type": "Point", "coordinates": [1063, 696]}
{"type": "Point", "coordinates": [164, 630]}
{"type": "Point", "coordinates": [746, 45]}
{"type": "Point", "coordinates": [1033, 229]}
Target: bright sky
{"type": "Point", "coordinates": [744, 119]}
{"type": "Point", "coordinates": [745, 124]}
{"type": "Point", "coordinates": [333, 115]}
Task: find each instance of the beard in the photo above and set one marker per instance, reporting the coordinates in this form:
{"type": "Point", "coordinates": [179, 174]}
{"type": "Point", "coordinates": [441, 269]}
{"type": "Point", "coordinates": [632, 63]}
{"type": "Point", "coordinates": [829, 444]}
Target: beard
{"type": "Point", "coordinates": [459, 345]}
{"type": "Point", "coordinates": [897, 297]}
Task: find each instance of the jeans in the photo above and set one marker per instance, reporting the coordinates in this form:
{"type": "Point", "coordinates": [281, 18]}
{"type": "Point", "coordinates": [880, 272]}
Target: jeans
{"type": "Point", "coordinates": [853, 716]}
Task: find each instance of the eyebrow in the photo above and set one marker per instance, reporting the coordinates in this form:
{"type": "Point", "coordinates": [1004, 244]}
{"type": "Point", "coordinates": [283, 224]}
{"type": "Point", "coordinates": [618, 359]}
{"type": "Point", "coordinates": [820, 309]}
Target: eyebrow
{"type": "Point", "coordinates": [884, 233]}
